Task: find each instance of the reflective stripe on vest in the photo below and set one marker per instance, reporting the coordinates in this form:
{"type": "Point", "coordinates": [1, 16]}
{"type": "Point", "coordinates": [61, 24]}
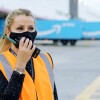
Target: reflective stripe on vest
{"type": "Point", "coordinates": [6, 66]}
{"type": "Point", "coordinates": [9, 70]}
{"type": "Point", "coordinates": [49, 68]}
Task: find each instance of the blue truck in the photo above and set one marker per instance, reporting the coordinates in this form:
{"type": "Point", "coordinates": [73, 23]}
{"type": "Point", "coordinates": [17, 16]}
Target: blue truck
{"type": "Point", "coordinates": [64, 31]}
{"type": "Point", "coordinates": [67, 31]}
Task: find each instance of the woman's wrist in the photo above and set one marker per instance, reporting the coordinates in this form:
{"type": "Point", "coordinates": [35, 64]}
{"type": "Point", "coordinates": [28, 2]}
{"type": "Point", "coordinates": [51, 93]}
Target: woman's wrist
{"type": "Point", "coordinates": [20, 65]}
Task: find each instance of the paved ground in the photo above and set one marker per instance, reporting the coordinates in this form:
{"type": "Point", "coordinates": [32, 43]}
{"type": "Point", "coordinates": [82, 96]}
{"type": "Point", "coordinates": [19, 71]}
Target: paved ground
{"type": "Point", "coordinates": [75, 67]}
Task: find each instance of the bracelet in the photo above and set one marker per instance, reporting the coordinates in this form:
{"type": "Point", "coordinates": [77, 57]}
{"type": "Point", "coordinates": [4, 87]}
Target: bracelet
{"type": "Point", "coordinates": [20, 71]}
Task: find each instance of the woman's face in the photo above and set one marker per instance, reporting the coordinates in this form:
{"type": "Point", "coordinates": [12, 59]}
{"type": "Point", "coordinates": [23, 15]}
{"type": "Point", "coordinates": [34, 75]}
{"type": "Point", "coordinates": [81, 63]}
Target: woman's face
{"type": "Point", "coordinates": [22, 24]}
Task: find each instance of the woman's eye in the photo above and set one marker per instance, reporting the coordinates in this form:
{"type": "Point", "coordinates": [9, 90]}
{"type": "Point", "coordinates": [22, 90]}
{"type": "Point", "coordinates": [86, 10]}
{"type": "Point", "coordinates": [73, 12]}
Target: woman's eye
{"type": "Point", "coordinates": [20, 28]}
{"type": "Point", "coordinates": [31, 28]}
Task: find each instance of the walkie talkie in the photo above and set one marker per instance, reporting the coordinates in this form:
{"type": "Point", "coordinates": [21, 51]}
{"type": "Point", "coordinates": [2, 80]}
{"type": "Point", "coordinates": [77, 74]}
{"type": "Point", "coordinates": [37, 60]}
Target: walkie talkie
{"type": "Point", "coordinates": [36, 51]}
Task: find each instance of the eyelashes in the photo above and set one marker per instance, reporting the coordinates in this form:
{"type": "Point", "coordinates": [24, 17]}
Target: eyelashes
{"type": "Point", "coordinates": [31, 28]}
{"type": "Point", "coordinates": [22, 28]}
{"type": "Point", "coordinates": [19, 28]}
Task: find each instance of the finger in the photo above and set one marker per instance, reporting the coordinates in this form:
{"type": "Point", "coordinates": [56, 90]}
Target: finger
{"type": "Point", "coordinates": [21, 42]}
{"type": "Point", "coordinates": [26, 43]}
{"type": "Point", "coordinates": [33, 48]}
{"type": "Point", "coordinates": [30, 45]}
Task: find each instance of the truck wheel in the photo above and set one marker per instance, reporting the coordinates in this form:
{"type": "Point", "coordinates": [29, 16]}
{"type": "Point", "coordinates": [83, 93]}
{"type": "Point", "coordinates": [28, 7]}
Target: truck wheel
{"type": "Point", "coordinates": [73, 42]}
{"type": "Point", "coordinates": [64, 42]}
{"type": "Point", "coordinates": [55, 41]}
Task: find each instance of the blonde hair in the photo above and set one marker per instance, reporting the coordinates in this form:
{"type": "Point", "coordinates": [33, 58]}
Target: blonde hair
{"type": "Point", "coordinates": [13, 14]}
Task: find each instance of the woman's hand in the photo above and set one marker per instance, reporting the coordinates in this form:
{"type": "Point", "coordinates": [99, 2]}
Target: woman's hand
{"type": "Point", "coordinates": [25, 52]}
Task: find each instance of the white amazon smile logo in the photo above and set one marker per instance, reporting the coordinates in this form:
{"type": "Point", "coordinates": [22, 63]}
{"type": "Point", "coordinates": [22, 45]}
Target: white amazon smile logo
{"type": "Point", "coordinates": [56, 29]}
{"type": "Point", "coordinates": [91, 33]}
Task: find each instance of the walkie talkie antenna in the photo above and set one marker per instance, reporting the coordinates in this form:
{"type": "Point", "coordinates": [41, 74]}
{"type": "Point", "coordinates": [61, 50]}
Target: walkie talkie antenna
{"type": "Point", "coordinates": [4, 36]}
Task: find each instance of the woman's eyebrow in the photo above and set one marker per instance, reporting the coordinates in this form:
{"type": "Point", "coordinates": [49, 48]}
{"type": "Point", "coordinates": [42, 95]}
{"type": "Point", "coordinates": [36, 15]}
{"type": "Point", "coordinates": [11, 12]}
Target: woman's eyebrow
{"type": "Point", "coordinates": [20, 25]}
{"type": "Point", "coordinates": [31, 25]}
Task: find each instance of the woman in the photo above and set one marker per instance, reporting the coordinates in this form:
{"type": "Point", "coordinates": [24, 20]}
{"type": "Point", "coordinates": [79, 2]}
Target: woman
{"type": "Point", "coordinates": [25, 72]}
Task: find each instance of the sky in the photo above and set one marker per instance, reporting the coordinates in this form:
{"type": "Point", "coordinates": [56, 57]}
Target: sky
{"type": "Point", "coordinates": [56, 9]}
{"type": "Point", "coordinates": [47, 8]}
{"type": "Point", "coordinates": [89, 10]}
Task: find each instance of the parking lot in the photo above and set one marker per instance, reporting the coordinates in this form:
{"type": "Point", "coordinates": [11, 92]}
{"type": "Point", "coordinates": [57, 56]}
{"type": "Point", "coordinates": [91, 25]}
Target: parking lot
{"type": "Point", "coordinates": [76, 67]}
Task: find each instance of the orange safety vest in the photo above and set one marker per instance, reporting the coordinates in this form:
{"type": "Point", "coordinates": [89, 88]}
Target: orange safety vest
{"type": "Point", "coordinates": [43, 85]}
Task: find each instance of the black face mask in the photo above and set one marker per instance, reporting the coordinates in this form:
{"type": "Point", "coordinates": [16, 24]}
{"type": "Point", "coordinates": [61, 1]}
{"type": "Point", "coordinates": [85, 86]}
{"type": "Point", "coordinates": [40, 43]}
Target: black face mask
{"type": "Point", "coordinates": [18, 36]}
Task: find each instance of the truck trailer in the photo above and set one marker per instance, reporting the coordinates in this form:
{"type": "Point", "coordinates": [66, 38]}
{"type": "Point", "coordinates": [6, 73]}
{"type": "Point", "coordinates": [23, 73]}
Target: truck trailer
{"type": "Point", "coordinates": [64, 30]}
